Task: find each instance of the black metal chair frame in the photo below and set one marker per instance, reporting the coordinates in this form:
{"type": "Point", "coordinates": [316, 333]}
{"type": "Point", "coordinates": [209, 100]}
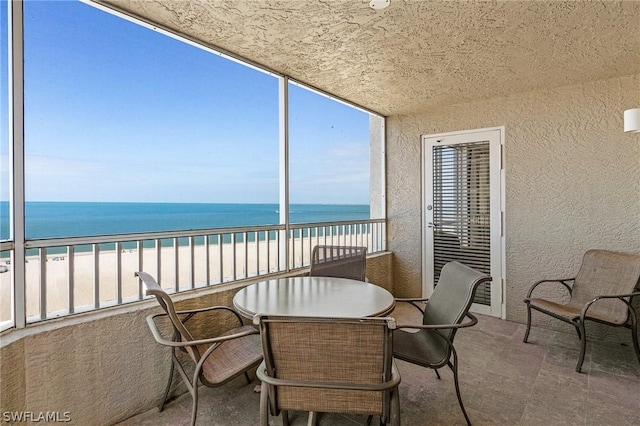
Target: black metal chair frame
{"type": "Point", "coordinates": [578, 322]}
{"type": "Point", "coordinates": [435, 329]}
{"type": "Point", "coordinates": [450, 357]}
{"type": "Point", "coordinates": [183, 341]}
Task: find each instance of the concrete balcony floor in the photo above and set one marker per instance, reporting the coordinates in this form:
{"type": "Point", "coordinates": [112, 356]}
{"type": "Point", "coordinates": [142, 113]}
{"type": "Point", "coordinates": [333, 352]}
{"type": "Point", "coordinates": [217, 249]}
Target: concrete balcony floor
{"type": "Point", "coordinates": [503, 382]}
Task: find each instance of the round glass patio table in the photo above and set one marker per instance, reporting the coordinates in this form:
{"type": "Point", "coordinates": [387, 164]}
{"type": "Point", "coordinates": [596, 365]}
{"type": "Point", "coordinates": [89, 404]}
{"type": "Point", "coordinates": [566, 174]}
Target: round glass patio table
{"type": "Point", "coordinates": [314, 296]}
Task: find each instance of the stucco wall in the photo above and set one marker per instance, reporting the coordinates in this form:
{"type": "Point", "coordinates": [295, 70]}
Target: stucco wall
{"type": "Point", "coordinates": [104, 367]}
{"type": "Point", "coordinates": [101, 368]}
{"type": "Point", "coordinates": [572, 180]}
{"type": "Point", "coordinates": [379, 270]}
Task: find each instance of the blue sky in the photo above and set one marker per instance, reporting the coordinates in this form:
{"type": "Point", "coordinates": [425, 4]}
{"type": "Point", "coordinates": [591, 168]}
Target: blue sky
{"type": "Point", "coordinates": [117, 112]}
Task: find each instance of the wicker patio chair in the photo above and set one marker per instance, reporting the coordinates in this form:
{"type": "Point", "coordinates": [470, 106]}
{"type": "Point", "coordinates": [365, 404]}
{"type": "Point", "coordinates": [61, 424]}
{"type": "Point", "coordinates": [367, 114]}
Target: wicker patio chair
{"type": "Point", "coordinates": [601, 292]}
{"type": "Point", "coordinates": [339, 261]}
{"type": "Point", "coordinates": [432, 345]}
{"type": "Point", "coordinates": [328, 365]}
{"type": "Point", "coordinates": [215, 360]}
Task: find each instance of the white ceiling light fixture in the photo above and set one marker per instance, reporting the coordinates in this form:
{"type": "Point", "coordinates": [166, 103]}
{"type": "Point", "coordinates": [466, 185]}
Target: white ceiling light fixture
{"type": "Point", "coordinates": [632, 120]}
{"type": "Point", "coordinates": [379, 4]}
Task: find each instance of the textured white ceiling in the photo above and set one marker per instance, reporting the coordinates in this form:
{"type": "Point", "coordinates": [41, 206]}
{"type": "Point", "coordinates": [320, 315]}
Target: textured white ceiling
{"type": "Point", "coordinates": [415, 55]}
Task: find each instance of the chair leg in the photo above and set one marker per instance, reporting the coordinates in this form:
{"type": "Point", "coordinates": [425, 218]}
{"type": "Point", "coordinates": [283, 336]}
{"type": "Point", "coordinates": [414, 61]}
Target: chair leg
{"type": "Point", "coordinates": [246, 375]}
{"type": "Point", "coordinates": [168, 388]}
{"type": "Point", "coordinates": [634, 333]}
{"type": "Point", "coordinates": [395, 408]}
{"type": "Point", "coordinates": [636, 346]}
{"type": "Point", "coordinates": [437, 373]}
{"type": "Point", "coordinates": [578, 332]}
{"type": "Point", "coordinates": [313, 418]}
{"type": "Point", "coordinates": [454, 368]}
{"type": "Point", "coordinates": [194, 409]}
{"type": "Point", "coordinates": [526, 334]}
{"type": "Point", "coordinates": [285, 417]}
{"type": "Point", "coordinates": [264, 405]}
{"type": "Point", "coordinates": [370, 419]}
{"type": "Point", "coordinates": [583, 345]}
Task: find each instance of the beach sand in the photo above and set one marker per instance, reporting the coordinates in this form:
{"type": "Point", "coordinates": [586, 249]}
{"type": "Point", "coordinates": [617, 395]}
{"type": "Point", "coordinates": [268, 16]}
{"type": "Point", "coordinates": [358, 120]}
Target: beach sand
{"type": "Point", "coordinates": [57, 273]}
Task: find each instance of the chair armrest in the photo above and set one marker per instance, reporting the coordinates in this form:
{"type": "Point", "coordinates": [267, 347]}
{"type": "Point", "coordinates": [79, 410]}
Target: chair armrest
{"type": "Point", "coordinates": [560, 280]}
{"type": "Point", "coordinates": [158, 336]}
{"type": "Point", "coordinates": [615, 296]}
{"type": "Point", "coordinates": [262, 374]}
{"type": "Point", "coordinates": [586, 307]}
{"type": "Point", "coordinates": [436, 329]}
{"type": "Point", "coordinates": [410, 299]}
{"type": "Point", "coordinates": [473, 321]}
{"type": "Point", "coordinates": [412, 302]}
{"type": "Point", "coordinates": [192, 312]}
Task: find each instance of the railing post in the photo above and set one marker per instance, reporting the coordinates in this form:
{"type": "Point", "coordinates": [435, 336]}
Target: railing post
{"type": "Point", "coordinates": [207, 243]}
{"type": "Point", "coordinates": [176, 264]}
{"type": "Point", "coordinates": [192, 270]}
{"type": "Point", "coordinates": [257, 236]}
{"type": "Point", "coordinates": [42, 255]}
{"type": "Point", "coordinates": [96, 275]}
{"type": "Point", "coordinates": [140, 247]}
{"type": "Point", "coordinates": [220, 258]}
{"type": "Point", "coordinates": [70, 277]}
{"type": "Point", "coordinates": [233, 256]}
{"type": "Point", "coordinates": [245, 236]}
{"type": "Point", "coordinates": [158, 261]}
{"type": "Point", "coordinates": [118, 249]}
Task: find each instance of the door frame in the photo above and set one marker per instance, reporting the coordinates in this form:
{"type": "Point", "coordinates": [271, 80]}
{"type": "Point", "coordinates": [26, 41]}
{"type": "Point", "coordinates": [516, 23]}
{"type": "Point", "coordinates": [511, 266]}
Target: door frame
{"type": "Point", "coordinates": [498, 272]}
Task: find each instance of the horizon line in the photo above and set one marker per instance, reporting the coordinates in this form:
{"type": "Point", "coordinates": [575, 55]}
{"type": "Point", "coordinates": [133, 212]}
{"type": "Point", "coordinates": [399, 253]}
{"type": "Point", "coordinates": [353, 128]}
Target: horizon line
{"type": "Point", "coordinates": [191, 202]}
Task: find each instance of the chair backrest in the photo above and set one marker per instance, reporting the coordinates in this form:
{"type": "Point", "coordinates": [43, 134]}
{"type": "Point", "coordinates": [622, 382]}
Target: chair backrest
{"type": "Point", "coordinates": [342, 352]}
{"type": "Point", "coordinates": [154, 289]}
{"type": "Point", "coordinates": [339, 261]}
{"type": "Point", "coordinates": [606, 272]}
{"type": "Point", "coordinates": [453, 295]}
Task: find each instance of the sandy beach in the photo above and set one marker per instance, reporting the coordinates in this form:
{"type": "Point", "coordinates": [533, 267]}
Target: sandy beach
{"type": "Point", "coordinates": [57, 273]}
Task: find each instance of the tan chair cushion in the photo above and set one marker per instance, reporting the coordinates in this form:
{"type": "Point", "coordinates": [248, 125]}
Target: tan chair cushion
{"type": "Point", "coordinates": [571, 312]}
{"type": "Point", "coordinates": [232, 357]}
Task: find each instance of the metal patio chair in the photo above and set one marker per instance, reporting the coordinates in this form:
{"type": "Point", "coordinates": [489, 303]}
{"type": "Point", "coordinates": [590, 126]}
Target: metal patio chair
{"type": "Point", "coordinates": [215, 360]}
{"type": "Point", "coordinates": [339, 261]}
{"type": "Point", "coordinates": [601, 292]}
{"type": "Point", "coordinates": [334, 365]}
{"type": "Point", "coordinates": [432, 345]}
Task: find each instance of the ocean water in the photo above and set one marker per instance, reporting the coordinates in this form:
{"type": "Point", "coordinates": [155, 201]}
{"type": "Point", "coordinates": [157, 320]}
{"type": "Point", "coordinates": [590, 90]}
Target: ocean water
{"type": "Point", "coordinates": [73, 219]}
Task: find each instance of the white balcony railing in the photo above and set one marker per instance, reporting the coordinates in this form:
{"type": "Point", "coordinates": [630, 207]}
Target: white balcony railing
{"type": "Point", "coordinates": [70, 275]}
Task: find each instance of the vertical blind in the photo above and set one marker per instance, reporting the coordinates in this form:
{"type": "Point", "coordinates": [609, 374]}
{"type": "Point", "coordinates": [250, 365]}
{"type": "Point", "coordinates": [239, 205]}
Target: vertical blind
{"type": "Point", "coordinates": [461, 209]}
